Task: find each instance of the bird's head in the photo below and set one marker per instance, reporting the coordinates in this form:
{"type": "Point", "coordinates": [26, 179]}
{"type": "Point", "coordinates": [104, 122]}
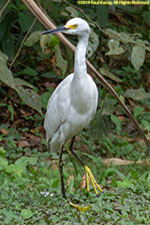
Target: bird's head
{"type": "Point", "coordinates": [75, 26]}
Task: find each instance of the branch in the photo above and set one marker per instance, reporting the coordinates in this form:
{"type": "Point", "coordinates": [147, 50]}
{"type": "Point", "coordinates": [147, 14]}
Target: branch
{"type": "Point", "coordinates": [4, 7]}
{"type": "Point", "coordinates": [33, 7]}
{"type": "Point", "coordinates": [22, 43]}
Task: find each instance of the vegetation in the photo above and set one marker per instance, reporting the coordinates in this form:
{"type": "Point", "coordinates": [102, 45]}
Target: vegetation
{"type": "Point", "coordinates": [31, 67]}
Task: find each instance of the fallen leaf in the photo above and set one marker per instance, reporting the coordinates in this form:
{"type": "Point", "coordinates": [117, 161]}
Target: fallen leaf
{"type": "Point", "coordinates": [119, 162]}
{"type": "Point", "coordinates": [29, 186]}
{"type": "Point", "coordinates": [24, 144]}
{"type": "Point", "coordinates": [122, 118]}
{"type": "Point", "coordinates": [4, 131]}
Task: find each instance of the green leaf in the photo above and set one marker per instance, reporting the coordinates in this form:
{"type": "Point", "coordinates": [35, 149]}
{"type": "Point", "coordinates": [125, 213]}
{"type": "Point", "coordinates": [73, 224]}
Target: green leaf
{"type": "Point", "coordinates": [5, 74]}
{"type": "Point", "coordinates": [106, 73]}
{"type": "Point", "coordinates": [25, 20]}
{"type": "Point", "coordinates": [32, 160]}
{"type": "Point", "coordinates": [125, 184]}
{"type": "Point", "coordinates": [10, 168]}
{"type": "Point", "coordinates": [23, 161]}
{"type": "Point", "coordinates": [45, 97]}
{"type": "Point", "coordinates": [26, 213]}
{"type": "Point", "coordinates": [136, 94]}
{"type": "Point", "coordinates": [137, 57]}
{"type": "Point", "coordinates": [8, 47]}
{"type": "Point", "coordinates": [72, 12]}
{"type": "Point", "coordinates": [16, 169]}
{"type": "Point", "coordinates": [30, 97]}
{"type": "Point", "coordinates": [43, 41]}
{"type": "Point", "coordinates": [11, 110]}
{"type": "Point", "coordinates": [19, 170]}
{"type": "Point", "coordinates": [55, 183]}
{"type": "Point", "coordinates": [20, 82]}
{"type": "Point", "coordinates": [125, 37]}
{"type": "Point", "coordinates": [3, 161]}
{"type": "Point", "coordinates": [93, 44]}
{"type": "Point", "coordinates": [137, 110]}
{"type": "Point", "coordinates": [2, 151]}
{"type": "Point", "coordinates": [117, 122]}
{"type": "Point", "coordinates": [33, 38]}
{"type": "Point", "coordinates": [146, 125]}
{"type": "Point", "coordinates": [9, 215]}
{"type": "Point", "coordinates": [53, 41]}
{"type": "Point", "coordinates": [112, 34]}
{"type": "Point", "coordinates": [61, 63]}
{"type": "Point", "coordinates": [114, 48]}
{"type": "Point", "coordinates": [49, 75]}
{"type": "Point", "coordinates": [108, 106]}
{"type": "Point", "coordinates": [29, 71]}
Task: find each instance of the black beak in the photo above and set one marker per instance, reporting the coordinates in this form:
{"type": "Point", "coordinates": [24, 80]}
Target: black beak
{"type": "Point", "coordinates": [60, 29]}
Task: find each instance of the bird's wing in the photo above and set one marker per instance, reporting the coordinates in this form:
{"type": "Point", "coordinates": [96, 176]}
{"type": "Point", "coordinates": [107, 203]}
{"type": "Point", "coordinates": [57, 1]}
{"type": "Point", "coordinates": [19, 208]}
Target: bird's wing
{"type": "Point", "coordinates": [58, 107]}
{"type": "Point", "coordinates": [95, 102]}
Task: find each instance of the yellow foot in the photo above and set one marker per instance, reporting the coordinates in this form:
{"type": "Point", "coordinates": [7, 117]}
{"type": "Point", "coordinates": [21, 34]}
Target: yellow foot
{"type": "Point", "coordinates": [89, 176]}
{"type": "Point", "coordinates": [81, 208]}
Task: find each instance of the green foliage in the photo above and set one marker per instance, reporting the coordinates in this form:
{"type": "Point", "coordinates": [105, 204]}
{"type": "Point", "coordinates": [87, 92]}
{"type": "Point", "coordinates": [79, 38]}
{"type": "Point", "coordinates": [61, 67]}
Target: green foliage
{"type": "Point", "coordinates": [60, 62]}
{"type": "Point", "coordinates": [30, 191]}
{"type": "Point", "coordinates": [137, 94]}
{"type": "Point", "coordinates": [137, 110]}
{"type": "Point", "coordinates": [53, 41]}
{"type": "Point", "coordinates": [146, 125]}
{"type": "Point", "coordinates": [106, 73]}
{"type": "Point", "coordinates": [137, 57]}
{"type": "Point", "coordinates": [117, 122]}
{"type": "Point", "coordinates": [30, 97]}
{"type": "Point", "coordinates": [3, 159]}
{"type": "Point", "coordinates": [118, 44]}
{"type": "Point", "coordinates": [114, 48]}
{"type": "Point", "coordinates": [33, 38]}
{"type": "Point", "coordinates": [26, 213]}
{"type": "Point", "coordinates": [93, 44]}
{"type": "Point", "coordinates": [45, 97]}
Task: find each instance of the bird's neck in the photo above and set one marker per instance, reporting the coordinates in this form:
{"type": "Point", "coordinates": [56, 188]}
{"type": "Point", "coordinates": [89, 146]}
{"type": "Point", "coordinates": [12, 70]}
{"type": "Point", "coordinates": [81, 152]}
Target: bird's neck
{"type": "Point", "coordinates": [80, 69]}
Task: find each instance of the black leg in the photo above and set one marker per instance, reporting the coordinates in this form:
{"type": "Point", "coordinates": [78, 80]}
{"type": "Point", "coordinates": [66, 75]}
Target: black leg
{"type": "Point", "coordinates": [61, 172]}
{"type": "Point", "coordinates": [71, 150]}
{"type": "Point", "coordinates": [71, 143]}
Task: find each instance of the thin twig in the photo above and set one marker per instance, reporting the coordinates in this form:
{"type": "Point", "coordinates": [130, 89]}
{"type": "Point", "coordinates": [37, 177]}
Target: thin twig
{"type": "Point", "coordinates": [25, 37]}
{"type": "Point", "coordinates": [4, 7]}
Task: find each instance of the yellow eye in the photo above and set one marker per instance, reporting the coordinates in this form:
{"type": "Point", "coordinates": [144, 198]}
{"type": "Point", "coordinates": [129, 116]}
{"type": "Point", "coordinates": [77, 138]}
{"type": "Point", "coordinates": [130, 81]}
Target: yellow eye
{"type": "Point", "coordinates": [74, 26]}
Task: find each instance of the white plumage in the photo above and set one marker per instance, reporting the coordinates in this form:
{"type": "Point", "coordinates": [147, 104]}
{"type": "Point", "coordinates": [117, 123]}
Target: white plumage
{"type": "Point", "coordinates": [73, 104]}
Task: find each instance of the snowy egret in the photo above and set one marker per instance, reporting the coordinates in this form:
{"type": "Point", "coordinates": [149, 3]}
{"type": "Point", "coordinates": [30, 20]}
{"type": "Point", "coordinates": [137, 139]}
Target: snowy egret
{"type": "Point", "coordinates": [73, 104]}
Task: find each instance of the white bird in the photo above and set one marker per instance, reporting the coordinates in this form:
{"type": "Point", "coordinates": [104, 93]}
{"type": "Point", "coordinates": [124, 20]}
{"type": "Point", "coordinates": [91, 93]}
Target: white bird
{"type": "Point", "coordinates": [73, 104]}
